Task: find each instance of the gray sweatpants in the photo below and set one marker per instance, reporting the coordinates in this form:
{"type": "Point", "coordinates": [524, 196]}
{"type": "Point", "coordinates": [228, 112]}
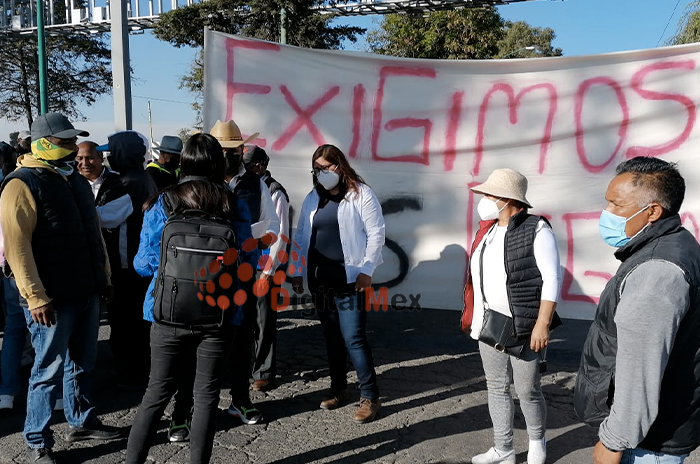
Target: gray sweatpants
{"type": "Point", "coordinates": [501, 370]}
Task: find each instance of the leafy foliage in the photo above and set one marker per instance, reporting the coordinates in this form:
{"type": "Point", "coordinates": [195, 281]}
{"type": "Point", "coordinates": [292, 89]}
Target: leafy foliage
{"type": "Point", "coordinates": [519, 35]}
{"type": "Point", "coordinates": [78, 74]}
{"type": "Point", "coordinates": [459, 34]}
{"type": "Point", "coordinates": [259, 19]}
{"type": "Point", "coordinates": [688, 26]}
{"type": "Point", "coordinates": [455, 34]}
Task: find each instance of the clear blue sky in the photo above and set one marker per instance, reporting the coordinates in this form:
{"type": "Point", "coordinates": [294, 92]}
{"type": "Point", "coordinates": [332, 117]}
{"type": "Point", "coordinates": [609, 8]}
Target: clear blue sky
{"type": "Point", "coordinates": [582, 27]}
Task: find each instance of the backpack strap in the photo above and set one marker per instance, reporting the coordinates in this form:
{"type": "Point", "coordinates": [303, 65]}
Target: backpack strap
{"type": "Point", "coordinates": [167, 203]}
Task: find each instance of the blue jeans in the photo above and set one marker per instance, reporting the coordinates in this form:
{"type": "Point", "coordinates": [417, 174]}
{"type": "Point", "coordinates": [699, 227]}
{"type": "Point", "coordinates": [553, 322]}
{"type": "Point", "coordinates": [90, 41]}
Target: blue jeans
{"type": "Point", "coordinates": [343, 319]}
{"type": "Point", "coordinates": [200, 355]}
{"type": "Point", "coordinates": [642, 456]}
{"type": "Point", "coordinates": [66, 350]}
{"type": "Point", "coordinates": [13, 339]}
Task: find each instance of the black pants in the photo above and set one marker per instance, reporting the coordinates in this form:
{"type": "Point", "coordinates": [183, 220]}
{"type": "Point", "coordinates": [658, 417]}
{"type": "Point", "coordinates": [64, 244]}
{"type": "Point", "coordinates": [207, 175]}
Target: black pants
{"type": "Point", "coordinates": [241, 358]}
{"type": "Point", "coordinates": [129, 336]}
{"type": "Point", "coordinates": [265, 337]}
{"type": "Point", "coordinates": [171, 349]}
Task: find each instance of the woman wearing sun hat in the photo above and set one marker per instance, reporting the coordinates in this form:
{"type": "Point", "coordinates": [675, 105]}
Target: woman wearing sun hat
{"type": "Point", "coordinates": [514, 278]}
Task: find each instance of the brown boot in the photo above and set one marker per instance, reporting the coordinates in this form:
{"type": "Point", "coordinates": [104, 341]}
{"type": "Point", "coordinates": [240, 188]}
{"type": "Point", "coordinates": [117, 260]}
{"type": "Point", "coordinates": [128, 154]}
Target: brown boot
{"type": "Point", "coordinates": [367, 411]}
{"type": "Point", "coordinates": [335, 399]}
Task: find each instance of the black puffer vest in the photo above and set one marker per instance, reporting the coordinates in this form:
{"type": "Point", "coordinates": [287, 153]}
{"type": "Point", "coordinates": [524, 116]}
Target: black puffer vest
{"type": "Point", "coordinates": [524, 281]}
{"type": "Point", "coordinates": [248, 190]}
{"type": "Point", "coordinates": [67, 241]}
{"type": "Point", "coordinates": [676, 429]}
{"type": "Point", "coordinates": [274, 186]}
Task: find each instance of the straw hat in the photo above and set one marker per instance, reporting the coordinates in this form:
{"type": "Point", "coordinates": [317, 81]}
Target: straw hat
{"type": "Point", "coordinates": [505, 183]}
{"type": "Point", "coordinates": [229, 135]}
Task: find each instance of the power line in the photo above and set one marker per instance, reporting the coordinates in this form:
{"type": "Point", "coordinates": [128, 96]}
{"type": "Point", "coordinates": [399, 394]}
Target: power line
{"type": "Point", "coordinates": [162, 99]}
{"type": "Point", "coordinates": [669, 22]}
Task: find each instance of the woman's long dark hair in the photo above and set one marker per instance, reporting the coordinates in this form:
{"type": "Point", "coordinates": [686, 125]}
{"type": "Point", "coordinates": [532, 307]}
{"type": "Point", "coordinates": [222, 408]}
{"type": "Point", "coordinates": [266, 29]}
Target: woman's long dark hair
{"type": "Point", "coordinates": [201, 156]}
{"type": "Point", "coordinates": [349, 178]}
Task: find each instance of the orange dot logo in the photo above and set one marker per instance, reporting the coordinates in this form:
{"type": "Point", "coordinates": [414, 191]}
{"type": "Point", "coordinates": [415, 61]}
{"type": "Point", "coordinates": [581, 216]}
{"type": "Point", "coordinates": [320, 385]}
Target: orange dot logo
{"type": "Point", "coordinates": [245, 272]}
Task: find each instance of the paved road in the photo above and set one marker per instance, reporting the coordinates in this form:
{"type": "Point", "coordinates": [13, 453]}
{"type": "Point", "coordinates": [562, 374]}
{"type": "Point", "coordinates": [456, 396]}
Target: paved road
{"type": "Point", "coordinates": [433, 393]}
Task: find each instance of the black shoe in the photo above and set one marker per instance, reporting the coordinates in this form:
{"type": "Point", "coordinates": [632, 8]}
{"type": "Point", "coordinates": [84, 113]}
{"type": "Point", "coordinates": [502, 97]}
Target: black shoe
{"type": "Point", "coordinates": [98, 431]}
{"type": "Point", "coordinates": [40, 456]}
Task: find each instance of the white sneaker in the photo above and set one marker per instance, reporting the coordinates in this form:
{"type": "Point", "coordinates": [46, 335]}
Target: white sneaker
{"type": "Point", "coordinates": [537, 452]}
{"type": "Point", "coordinates": [7, 401]}
{"type": "Point", "coordinates": [493, 456]}
{"type": "Point", "coordinates": [59, 405]}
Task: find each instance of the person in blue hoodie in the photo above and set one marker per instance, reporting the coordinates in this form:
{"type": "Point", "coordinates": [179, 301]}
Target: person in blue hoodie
{"type": "Point", "coordinates": [175, 351]}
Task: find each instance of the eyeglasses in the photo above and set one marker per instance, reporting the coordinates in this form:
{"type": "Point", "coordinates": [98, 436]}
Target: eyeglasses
{"type": "Point", "coordinates": [317, 171]}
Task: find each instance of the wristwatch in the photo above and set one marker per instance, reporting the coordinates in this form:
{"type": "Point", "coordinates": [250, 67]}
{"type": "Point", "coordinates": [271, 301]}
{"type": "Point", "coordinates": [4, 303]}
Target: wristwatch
{"type": "Point", "coordinates": [610, 449]}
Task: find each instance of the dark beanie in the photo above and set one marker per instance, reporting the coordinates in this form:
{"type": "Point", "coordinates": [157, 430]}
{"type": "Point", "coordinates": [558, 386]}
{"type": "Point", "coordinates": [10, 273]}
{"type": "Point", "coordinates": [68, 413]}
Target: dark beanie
{"type": "Point", "coordinates": [254, 154]}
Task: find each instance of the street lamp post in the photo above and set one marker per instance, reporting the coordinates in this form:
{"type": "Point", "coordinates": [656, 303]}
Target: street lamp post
{"type": "Point", "coordinates": [41, 56]}
{"type": "Point", "coordinates": [529, 47]}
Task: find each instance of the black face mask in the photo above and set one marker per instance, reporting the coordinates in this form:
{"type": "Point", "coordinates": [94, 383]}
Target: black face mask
{"type": "Point", "coordinates": [113, 163]}
{"type": "Point", "coordinates": [233, 163]}
{"type": "Point", "coordinates": [173, 164]}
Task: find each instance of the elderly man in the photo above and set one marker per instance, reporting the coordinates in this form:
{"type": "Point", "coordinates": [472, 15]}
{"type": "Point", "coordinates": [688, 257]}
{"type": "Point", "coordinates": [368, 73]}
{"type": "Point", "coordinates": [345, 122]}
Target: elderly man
{"type": "Point", "coordinates": [54, 247]}
{"type": "Point", "coordinates": [91, 166]}
{"type": "Point", "coordinates": [639, 378]}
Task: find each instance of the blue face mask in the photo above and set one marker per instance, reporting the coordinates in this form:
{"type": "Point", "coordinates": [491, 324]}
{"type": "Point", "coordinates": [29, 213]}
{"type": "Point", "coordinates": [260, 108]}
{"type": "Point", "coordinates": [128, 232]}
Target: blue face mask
{"type": "Point", "coordinates": [612, 228]}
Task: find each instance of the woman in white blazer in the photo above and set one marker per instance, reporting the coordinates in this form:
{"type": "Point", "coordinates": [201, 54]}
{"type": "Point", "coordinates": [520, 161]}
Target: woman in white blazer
{"type": "Point", "coordinates": [340, 235]}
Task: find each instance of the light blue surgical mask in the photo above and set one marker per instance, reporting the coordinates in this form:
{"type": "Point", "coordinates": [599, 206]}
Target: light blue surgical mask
{"type": "Point", "coordinates": [612, 228]}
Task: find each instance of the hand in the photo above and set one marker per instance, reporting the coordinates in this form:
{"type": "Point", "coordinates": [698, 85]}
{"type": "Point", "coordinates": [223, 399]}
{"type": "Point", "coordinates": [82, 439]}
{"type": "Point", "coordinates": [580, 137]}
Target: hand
{"type": "Point", "coordinates": [540, 337]}
{"type": "Point", "coordinates": [108, 294]}
{"type": "Point", "coordinates": [602, 455]}
{"type": "Point", "coordinates": [298, 285]}
{"type": "Point", "coordinates": [44, 315]}
{"type": "Point", "coordinates": [262, 245]}
{"type": "Point", "coordinates": [268, 278]}
{"type": "Point", "coordinates": [363, 281]}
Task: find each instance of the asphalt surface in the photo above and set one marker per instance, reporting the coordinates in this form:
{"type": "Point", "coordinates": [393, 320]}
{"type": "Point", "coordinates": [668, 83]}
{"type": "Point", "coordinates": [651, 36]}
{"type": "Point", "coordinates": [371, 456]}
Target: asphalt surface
{"type": "Point", "coordinates": [433, 396]}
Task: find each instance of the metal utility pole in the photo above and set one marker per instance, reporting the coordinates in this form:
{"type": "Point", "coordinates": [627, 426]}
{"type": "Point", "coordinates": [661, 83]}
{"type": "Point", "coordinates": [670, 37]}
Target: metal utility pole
{"type": "Point", "coordinates": [41, 56]}
{"type": "Point", "coordinates": [121, 67]}
{"type": "Point", "coordinates": [150, 123]}
{"type": "Point", "coordinates": [283, 25]}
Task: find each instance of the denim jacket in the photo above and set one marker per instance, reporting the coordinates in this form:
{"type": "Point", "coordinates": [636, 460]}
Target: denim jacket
{"type": "Point", "coordinates": [148, 257]}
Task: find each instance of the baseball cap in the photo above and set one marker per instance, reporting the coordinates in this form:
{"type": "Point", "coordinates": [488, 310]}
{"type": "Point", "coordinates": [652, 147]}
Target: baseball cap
{"type": "Point", "coordinates": [55, 125]}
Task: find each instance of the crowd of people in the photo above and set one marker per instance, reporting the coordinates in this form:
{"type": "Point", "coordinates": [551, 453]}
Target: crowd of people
{"type": "Point", "coordinates": [79, 236]}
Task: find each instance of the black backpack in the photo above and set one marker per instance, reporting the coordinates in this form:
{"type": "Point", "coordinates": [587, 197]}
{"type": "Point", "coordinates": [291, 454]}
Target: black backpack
{"type": "Point", "coordinates": [197, 270]}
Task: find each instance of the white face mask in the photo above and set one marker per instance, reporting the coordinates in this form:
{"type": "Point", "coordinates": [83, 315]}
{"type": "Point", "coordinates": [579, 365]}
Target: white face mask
{"type": "Point", "coordinates": [488, 209]}
{"type": "Point", "coordinates": [328, 179]}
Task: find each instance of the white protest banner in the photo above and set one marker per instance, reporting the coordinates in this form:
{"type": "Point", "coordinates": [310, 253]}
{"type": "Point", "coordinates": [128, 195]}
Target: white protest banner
{"type": "Point", "coordinates": [420, 132]}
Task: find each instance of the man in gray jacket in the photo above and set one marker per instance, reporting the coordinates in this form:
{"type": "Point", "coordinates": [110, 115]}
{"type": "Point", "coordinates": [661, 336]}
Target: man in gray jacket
{"type": "Point", "coordinates": [639, 379]}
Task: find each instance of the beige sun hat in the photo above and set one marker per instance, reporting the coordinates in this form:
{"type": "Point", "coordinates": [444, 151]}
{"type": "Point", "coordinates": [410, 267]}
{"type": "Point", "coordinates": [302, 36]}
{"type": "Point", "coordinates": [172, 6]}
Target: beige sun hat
{"type": "Point", "coordinates": [229, 135]}
{"type": "Point", "coordinates": [505, 183]}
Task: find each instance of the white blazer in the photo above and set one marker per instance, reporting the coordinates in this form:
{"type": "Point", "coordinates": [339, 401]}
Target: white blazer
{"type": "Point", "coordinates": [361, 225]}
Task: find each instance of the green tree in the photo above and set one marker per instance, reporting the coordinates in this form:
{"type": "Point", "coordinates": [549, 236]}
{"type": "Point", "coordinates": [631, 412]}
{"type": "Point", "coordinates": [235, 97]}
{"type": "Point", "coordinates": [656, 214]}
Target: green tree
{"type": "Point", "coordinates": [520, 36]}
{"type": "Point", "coordinates": [453, 34]}
{"type": "Point", "coordinates": [466, 34]}
{"type": "Point", "coordinates": [258, 19]}
{"type": "Point", "coordinates": [78, 74]}
{"type": "Point", "coordinates": [688, 26]}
